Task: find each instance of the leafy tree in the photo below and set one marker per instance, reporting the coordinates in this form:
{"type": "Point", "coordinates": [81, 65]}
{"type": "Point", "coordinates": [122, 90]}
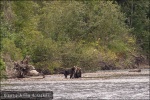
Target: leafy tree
{"type": "Point", "coordinates": [91, 34]}
{"type": "Point", "coordinates": [137, 13]}
{"type": "Point", "coordinates": [97, 24]}
{"type": "Point", "coordinates": [26, 32]}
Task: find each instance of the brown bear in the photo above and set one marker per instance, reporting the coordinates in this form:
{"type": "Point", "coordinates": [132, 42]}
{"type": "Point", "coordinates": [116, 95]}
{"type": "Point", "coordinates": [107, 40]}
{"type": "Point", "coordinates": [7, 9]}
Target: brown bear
{"type": "Point", "coordinates": [69, 71]}
{"type": "Point", "coordinates": [78, 72]}
{"type": "Point", "coordinates": [74, 72]}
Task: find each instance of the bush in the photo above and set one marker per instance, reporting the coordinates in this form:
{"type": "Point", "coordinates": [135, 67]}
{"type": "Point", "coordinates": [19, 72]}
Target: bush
{"type": "Point", "coordinates": [2, 69]}
{"type": "Point", "coordinates": [8, 47]}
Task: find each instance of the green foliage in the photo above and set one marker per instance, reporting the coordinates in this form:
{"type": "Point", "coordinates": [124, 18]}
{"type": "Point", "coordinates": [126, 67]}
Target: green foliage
{"type": "Point", "coordinates": [45, 55]}
{"type": "Point", "coordinates": [67, 33]}
{"type": "Point", "coordinates": [45, 50]}
{"type": "Point", "coordinates": [137, 13]}
{"type": "Point", "coordinates": [2, 69]}
{"type": "Point", "coordinates": [8, 47]}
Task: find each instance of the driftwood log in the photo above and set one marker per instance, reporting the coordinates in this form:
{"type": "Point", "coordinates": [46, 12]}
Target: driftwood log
{"type": "Point", "coordinates": [23, 69]}
{"type": "Point", "coordinates": [135, 70]}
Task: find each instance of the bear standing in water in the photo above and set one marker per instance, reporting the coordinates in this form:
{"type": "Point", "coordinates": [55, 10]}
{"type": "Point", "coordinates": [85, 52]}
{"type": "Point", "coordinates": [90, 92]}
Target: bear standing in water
{"type": "Point", "coordinates": [78, 73]}
{"type": "Point", "coordinates": [69, 71]}
{"type": "Point", "coordinates": [74, 72]}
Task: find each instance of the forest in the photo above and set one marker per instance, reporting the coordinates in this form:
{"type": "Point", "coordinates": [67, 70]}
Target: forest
{"type": "Point", "coordinates": [92, 34]}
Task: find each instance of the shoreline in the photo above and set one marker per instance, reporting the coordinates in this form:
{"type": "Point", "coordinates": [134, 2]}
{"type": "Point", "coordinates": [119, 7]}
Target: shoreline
{"type": "Point", "coordinates": [107, 74]}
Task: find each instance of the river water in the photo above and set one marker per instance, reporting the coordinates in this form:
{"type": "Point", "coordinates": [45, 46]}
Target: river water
{"type": "Point", "coordinates": [114, 88]}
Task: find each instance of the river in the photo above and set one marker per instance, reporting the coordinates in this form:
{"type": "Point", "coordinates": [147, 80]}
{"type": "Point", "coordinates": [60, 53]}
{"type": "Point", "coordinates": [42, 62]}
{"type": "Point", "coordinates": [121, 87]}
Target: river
{"type": "Point", "coordinates": [125, 87]}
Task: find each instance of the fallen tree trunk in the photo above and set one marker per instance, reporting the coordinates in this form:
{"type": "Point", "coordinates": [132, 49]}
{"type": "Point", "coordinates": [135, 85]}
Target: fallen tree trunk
{"type": "Point", "coordinates": [24, 69]}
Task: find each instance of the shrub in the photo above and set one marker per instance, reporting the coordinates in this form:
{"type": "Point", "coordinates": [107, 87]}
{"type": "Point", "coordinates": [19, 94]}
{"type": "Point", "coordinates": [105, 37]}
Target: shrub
{"type": "Point", "coordinates": [2, 69]}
